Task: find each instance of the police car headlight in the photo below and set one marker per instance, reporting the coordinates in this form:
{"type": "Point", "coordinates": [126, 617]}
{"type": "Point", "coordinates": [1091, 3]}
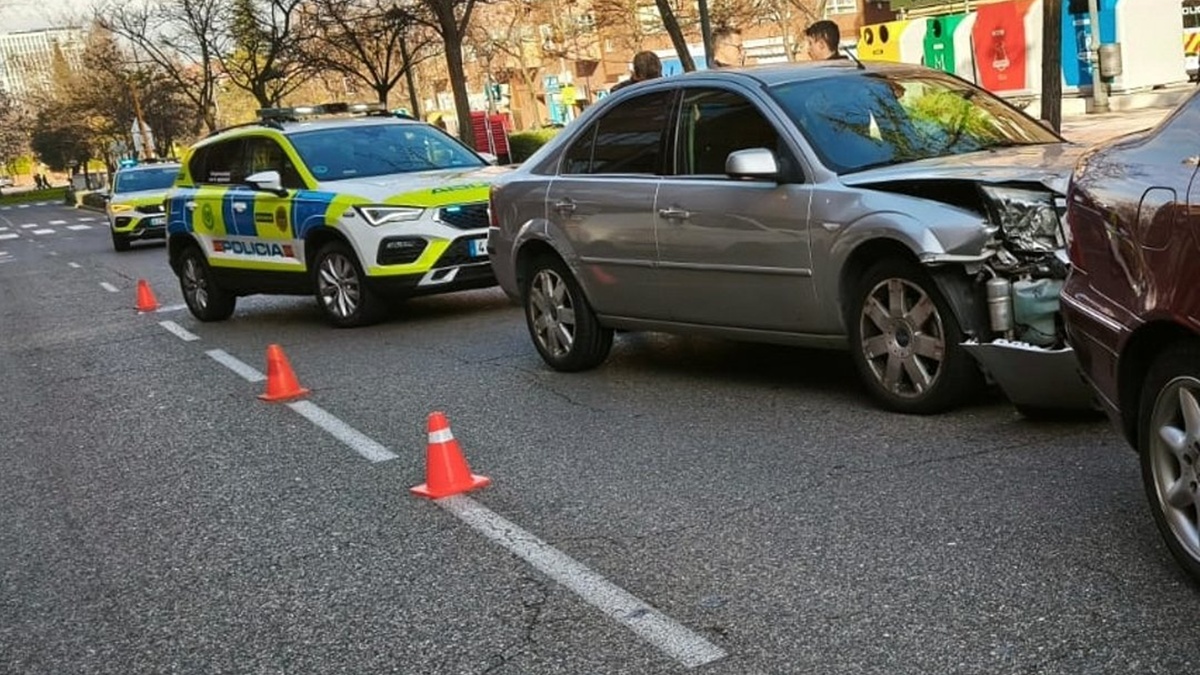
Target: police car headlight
{"type": "Point", "coordinates": [382, 215]}
{"type": "Point", "coordinates": [120, 208]}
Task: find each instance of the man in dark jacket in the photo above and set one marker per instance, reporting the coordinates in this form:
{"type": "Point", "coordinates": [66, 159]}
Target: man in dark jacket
{"type": "Point", "coordinates": [646, 66]}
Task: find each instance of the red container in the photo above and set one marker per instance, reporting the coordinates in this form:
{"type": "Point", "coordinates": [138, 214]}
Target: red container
{"type": "Point", "coordinates": [491, 133]}
{"type": "Point", "coordinates": [1000, 46]}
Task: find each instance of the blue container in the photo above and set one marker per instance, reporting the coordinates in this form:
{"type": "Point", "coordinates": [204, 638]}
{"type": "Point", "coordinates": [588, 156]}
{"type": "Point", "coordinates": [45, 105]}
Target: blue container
{"type": "Point", "coordinates": [1076, 36]}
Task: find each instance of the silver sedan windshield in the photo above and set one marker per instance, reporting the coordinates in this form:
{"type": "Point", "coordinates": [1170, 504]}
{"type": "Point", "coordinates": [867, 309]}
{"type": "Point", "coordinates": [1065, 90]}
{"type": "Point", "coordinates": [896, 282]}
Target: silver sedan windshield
{"type": "Point", "coordinates": [855, 123]}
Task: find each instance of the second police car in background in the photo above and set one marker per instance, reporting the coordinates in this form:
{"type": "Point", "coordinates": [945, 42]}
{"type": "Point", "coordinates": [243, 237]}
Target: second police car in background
{"type": "Point", "coordinates": [135, 206]}
{"type": "Point", "coordinates": [355, 209]}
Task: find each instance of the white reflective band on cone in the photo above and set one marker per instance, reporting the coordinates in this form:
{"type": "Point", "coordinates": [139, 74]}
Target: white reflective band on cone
{"type": "Point", "coordinates": [441, 436]}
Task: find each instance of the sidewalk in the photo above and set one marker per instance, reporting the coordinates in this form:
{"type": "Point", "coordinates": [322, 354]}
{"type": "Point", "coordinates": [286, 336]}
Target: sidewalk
{"type": "Point", "coordinates": [1090, 129]}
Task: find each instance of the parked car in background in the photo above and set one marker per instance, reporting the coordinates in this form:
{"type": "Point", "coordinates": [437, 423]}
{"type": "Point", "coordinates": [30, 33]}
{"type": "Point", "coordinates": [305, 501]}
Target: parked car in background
{"type": "Point", "coordinates": [893, 209]}
{"type": "Point", "coordinates": [1133, 310]}
{"type": "Point", "coordinates": [135, 204]}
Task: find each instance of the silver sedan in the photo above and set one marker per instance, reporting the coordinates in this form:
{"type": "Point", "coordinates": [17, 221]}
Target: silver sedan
{"type": "Point", "coordinates": [894, 210]}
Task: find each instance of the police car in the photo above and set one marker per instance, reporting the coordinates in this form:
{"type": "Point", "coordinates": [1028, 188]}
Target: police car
{"type": "Point", "coordinates": [350, 203]}
{"type": "Point", "coordinates": [135, 205]}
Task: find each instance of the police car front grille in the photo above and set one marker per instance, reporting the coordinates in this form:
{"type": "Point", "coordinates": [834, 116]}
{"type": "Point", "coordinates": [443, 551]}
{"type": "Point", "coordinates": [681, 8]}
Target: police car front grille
{"type": "Point", "coordinates": [151, 208]}
{"type": "Point", "coordinates": [465, 217]}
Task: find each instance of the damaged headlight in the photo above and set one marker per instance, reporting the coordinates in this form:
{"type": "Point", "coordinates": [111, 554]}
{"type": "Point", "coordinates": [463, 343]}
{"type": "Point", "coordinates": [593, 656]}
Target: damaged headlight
{"type": "Point", "coordinates": [1027, 218]}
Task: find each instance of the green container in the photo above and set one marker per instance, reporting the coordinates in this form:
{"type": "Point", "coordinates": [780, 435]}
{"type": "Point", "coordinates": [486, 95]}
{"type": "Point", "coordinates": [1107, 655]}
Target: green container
{"type": "Point", "coordinates": [939, 41]}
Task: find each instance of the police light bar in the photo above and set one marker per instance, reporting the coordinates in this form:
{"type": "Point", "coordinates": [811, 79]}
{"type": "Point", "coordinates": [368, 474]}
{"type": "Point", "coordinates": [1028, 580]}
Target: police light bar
{"type": "Point", "coordinates": [296, 112]}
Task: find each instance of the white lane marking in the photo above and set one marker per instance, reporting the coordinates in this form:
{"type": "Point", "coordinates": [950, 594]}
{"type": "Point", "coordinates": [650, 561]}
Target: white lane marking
{"type": "Point", "coordinates": [6, 260]}
{"type": "Point", "coordinates": [75, 265]}
{"type": "Point", "coordinates": [179, 331]}
{"type": "Point", "coordinates": [24, 206]}
{"type": "Point", "coordinates": [653, 626]}
{"type": "Point", "coordinates": [88, 219]}
{"type": "Point", "coordinates": [222, 357]}
{"type": "Point", "coordinates": [3, 252]}
{"type": "Point", "coordinates": [359, 442]}
{"type": "Point", "coordinates": [42, 204]}
{"type": "Point", "coordinates": [43, 231]}
{"type": "Point", "coordinates": [108, 287]}
{"type": "Point", "coordinates": [57, 222]}
{"type": "Point", "coordinates": [79, 227]}
{"type": "Point", "coordinates": [10, 235]}
{"type": "Point", "coordinates": [3, 229]}
{"type": "Point", "coordinates": [28, 226]}
{"type": "Point", "coordinates": [171, 308]}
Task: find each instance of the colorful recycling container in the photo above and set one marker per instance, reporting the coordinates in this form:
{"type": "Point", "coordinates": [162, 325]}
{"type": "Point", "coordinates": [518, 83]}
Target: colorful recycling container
{"type": "Point", "coordinates": [948, 44]}
{"type": "Point", "coordinates": [1000, 46]}
{"type": "Point", "coordinates": [896, 41]}
{"type": "Point", "coordinates": [1077, 38]}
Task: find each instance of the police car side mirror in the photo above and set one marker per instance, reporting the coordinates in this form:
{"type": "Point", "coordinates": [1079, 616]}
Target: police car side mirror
{"type": "Point", "coordinates": [267, 181]}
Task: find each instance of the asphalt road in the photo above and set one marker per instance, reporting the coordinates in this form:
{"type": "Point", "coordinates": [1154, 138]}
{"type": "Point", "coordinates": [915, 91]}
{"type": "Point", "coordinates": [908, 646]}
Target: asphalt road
{"type": "Point", "coordinates": [156, 517]}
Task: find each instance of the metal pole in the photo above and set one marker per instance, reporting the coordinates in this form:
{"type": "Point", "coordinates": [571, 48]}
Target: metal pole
{"type": "Point", "coordinates": [147, 150]}
{"type": "Point", "coordinates": [1099, 95]}
{"type": "Point", "coordinates": [706, 32]}
{"type": "Point", "coordinates": [1052, 63]}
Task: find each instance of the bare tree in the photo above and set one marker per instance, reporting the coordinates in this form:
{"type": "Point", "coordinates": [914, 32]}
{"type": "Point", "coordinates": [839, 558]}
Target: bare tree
{"type": "Point", "coordinates": [450, 19]}
{"type": "Point", "coordinates": [371, 41]}
{"type": "Point", "coordinates": [508, 44]}
{"type": "Point", "coordinates": [14, 132]}
{"type": "Point", "coordinates": [264, 56]}
{"type": "Point", "coordinates": [185, 38]}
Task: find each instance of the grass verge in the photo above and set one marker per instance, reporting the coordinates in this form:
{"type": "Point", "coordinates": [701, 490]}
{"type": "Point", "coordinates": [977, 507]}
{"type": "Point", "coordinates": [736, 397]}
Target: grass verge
{"type": "Point", "coordinates": [57, 195]}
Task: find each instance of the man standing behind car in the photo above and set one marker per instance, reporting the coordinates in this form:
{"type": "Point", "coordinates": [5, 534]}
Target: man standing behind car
{"type": "Point", "coordinates": [823, 38]}
{"type": "Point", "coordinates": [646, 66]}
{"type": "Point", "coordinates": [727, 48]}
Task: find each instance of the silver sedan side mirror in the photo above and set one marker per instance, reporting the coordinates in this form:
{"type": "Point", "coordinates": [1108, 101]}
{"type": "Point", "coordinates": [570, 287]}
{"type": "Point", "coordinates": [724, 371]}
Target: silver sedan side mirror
{"type": "Point", "coordinates": [752, 163]}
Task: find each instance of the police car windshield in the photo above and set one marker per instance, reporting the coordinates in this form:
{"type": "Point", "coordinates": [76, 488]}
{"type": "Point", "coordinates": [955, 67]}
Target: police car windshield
{"type": "Point", "coordinates": [144, 179]}
{"type": "Point", "coordinates": [349, 152]}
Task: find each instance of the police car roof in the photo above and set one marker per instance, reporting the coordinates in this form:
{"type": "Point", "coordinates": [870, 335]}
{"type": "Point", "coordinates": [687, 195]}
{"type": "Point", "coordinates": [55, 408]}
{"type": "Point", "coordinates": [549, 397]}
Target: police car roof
{"type": "Point", "coordinates": [294, 126]}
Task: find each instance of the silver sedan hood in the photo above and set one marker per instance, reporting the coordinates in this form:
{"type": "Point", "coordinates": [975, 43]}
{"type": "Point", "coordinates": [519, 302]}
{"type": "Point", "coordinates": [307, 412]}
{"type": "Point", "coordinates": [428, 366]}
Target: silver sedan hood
{"type": "Point", "coordinates": [1048, 164]}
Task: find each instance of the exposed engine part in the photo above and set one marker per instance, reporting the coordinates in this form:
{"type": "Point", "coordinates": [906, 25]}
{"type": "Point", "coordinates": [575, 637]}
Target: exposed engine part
{"type": "Point", "coordinates": [1035, 305]}
{"type": "Point", "coordinates": [1000, 304]}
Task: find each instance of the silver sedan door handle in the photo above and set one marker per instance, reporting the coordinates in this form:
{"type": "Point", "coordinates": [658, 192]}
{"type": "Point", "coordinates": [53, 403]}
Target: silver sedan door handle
{"type": "Point", "coordinates": [674, 213]}
{"type": "Point", "coordinates": [239, 207]}
{"type": "Point", "coordinates": [565, 206]}
{"type": "Point", "coordinates": [190, 206]}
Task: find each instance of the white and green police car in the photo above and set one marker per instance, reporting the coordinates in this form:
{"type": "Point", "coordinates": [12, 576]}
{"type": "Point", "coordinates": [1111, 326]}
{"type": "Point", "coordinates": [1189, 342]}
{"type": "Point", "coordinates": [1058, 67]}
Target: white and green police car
{"type": "Point", "coordinates": [356, 209]}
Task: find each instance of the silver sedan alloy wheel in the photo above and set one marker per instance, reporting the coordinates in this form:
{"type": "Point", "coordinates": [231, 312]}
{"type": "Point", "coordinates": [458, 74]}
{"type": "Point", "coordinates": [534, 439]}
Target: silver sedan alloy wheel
{"type": "Point", "coordinates": [195, 283]}
{"type": "Point", "coordinates": [903, 339]}
{"type": "Point", "coordinates": [338, 285]}
{"type": "Point", "coordinates": [552, 311]}
{"type": "Point", "coordinates": [1174, 452]}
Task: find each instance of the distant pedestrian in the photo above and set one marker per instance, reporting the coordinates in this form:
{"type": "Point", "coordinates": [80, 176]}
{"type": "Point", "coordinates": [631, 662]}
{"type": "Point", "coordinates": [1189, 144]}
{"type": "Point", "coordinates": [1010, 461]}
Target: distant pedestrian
{"type": "Point", "coordinates": [823, 38]}
{"type": "Point", "coordinates": [727, 48]}
{"type": "Point", "coordinates": [646, 66]}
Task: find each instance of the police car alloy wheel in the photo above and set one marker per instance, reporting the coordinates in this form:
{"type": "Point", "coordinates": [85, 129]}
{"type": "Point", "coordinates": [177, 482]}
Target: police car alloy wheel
{"type": "Point", "coordinates": [340, 289]}
{"type": "Point", "coordinates": [206, 300]}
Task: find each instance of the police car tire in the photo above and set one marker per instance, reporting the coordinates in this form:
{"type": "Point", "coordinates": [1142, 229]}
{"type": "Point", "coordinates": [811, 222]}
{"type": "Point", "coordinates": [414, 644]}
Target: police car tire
{"type": "Point", "coordinates": [220, 303]}
{"type": "Point", "coordinates": [368, 308]}
{"type": "Point", "coordinates": [120, 243]}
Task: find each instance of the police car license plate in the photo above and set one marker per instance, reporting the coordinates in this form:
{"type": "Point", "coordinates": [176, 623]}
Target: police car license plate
{"type": "Point", "coordinates": [478, 248]}
{"type": "Point", "coordinates": [158, 222]}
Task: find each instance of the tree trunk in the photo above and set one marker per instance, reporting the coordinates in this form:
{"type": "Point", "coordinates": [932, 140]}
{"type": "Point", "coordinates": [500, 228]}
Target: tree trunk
{"type": "Point", "coordinates": [671, 24]}
{"type": "Point", "coordinates": [410, 78]}
{"type": "Point", "coordinates": [381, 92]}
{"type": "Point", "coordinates": [458, 85]}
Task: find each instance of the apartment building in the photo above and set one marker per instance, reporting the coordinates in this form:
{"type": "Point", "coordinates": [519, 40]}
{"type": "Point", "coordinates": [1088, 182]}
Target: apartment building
{"type": "Point", "coordinates": [27, 58]}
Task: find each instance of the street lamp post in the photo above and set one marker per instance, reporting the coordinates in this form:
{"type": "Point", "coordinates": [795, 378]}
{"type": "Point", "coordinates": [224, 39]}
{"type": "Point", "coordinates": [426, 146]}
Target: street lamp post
{"type": "Point", "coordinates": [1099, 95]}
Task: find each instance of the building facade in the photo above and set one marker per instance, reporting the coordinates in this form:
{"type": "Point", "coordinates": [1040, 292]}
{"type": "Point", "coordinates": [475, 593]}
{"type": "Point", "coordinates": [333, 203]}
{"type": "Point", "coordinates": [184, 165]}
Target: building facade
{"type": "Point", "coordinates": [27, 58]}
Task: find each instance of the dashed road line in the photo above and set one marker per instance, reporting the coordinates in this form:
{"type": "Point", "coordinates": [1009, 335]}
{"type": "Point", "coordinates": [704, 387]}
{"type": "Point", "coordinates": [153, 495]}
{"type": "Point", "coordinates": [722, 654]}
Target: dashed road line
{"type": "Point", "coordinates": [75, 265]}
{"type": "Point", "coordinates": [359, 442]}
{"type": "Point", "coordinates": [43, 231]}
{"type": "Point", "coordinates": [10, 235]}
{"type": "Point", "coordinates": [57, 222]}
{"type": "Point", "coordinates": [3, 229]}
{"type": "Point", "coordinates": [29, 226]}
{"type": "Point", "coordinates": [87, 219]}
{"type": "Point", "coordinates": [171, 308]}
{"type": "Point", "coordinates": [179, 331]}
{"type": "Point", "coordinates": [24, 206]}
{"type": "Point", "coordinates": [79, 227]}
{"type": "Point", "coordinates": [247, 373]}
{"type": "Point", "coordinates": [108, 287]}
{"type": "Point", "coordinates": [620, 605]}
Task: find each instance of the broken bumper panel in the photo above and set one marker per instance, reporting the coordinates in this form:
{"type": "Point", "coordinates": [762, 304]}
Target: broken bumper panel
{"type": "Point", "coordinates": [1034, 377]}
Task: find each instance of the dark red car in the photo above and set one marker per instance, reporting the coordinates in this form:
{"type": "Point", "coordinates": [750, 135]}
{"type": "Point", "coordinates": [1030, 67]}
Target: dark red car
{"type": "Point", "coordinates": [1132, 307]}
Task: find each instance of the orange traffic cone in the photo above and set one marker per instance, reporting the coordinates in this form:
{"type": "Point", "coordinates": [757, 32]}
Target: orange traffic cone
{"type": "Point", "coordinates": [281, 381]}
{"type": "Point", "coordinates": [446, 472]}
{"type": "Point", "coordinates": [145, 297]}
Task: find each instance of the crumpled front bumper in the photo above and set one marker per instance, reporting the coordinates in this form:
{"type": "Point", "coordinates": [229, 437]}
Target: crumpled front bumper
{"type": "Point", "coordinates": [1033, 376]}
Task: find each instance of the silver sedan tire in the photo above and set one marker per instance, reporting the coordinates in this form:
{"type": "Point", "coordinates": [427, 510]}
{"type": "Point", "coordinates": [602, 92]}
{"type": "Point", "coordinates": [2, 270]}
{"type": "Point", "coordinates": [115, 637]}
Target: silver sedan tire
{"type": "Point", "coordinates": [562, 324]}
